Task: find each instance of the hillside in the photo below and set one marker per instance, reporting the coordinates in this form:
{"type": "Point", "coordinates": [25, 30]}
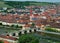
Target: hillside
{"type": "Point", "coordinates": [2, 4]}
{"type": "Point", "coordinates": [17, 4]}
{"type": "Point", "coordinates": [41, 3]}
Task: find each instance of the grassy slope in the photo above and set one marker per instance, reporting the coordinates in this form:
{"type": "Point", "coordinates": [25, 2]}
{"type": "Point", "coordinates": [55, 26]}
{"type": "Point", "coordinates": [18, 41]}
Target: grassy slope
{"type": "Point", "coordinates": [41, 3]}
{"type": "Point", "coordinates": [2, 4]}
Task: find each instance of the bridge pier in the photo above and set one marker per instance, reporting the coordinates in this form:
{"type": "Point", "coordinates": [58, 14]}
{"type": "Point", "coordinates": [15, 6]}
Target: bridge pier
{"type": "Point", "coordinates": [10, 34]}
{"type": "Point", "coordinates": [17, 34]}
{"type": "Point", "coordinates": [22, 32]}
{"type": "Point", "coordinates": [28, 31]}
{"type": "Point", "coordinates": [32, 30]}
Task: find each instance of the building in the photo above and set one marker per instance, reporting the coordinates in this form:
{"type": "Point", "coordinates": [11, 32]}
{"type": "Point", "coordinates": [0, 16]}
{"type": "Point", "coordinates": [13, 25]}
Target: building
{"type": "Point", "coordinates": [8, 39]}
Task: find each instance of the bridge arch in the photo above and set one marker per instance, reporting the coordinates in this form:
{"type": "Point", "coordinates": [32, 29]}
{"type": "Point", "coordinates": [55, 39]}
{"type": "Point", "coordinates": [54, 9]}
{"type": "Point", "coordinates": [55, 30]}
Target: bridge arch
{"type": "Point", "coordinates": [19, 33]}
{"type": "Point", "coordinates": [14, 34]}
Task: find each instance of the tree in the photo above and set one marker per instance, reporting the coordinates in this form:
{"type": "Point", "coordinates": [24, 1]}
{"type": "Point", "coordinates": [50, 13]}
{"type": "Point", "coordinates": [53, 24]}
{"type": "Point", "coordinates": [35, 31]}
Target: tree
{"type": "Point", "coordinates": [28, 38]}
{"type": "Point", "coordinates": [18, 4]}
{"type": "Point", "coordinates": [1, 0]}
{"type": "Point", "coordinates": [1, 42]}
{"type": "Point", "coordinates": [16, 26]}
{"type": "Point", "coordinates": [20, 27]}
{"type": "Point", "coordinates": [32, 25]}
{"type": "Point", "coordinates": [12, 25]}
{"type": "Point", "coordinates": [7, 25]}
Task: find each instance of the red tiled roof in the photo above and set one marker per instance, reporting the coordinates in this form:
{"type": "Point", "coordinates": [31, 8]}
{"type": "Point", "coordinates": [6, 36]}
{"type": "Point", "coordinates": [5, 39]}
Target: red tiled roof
{"type": "Point", "coordinates": [8, 37]}
{"type": "Point", "coordinates": [36, 15]}
{"type": "Point", "coordinates": [12, 18]}
{"type": "Point", "coordinates": [27, 25]}
{"type": "Point", "coordinates": [53, 11]}
{"type": "Point", "coordinates": [38, 24]}
{"type": "Point", "coordinates": [45, 13]}
{"type": "Point", "coordinates": [6, 41]}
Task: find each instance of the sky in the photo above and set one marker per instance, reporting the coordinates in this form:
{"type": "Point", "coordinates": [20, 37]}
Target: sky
{"type": "Point", "coordinates": [37, 0]}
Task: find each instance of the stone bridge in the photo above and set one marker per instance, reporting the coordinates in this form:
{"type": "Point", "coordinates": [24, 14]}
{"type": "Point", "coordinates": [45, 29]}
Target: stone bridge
{"type": "Point", "coordinates": [17, 33]}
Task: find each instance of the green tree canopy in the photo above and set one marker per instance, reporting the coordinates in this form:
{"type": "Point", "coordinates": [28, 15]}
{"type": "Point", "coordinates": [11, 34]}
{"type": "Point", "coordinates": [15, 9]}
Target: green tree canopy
{"type": "Point", "coordinates": [16, 26]}
{"type": "Point", "coordinates": [12, 25]}
{"type": "Point", "coordinates": [17, 4]}
{"type": "Point", "coordinates": [28, 38]}
{"type": "Point", "coordinates": [1, 42]}
{"type": "Point", "coordinates": [20, 27]}
{"type": "Point", "coordinates": [1, 0]}
{"type": "Point", "coordinates": [33, 24]}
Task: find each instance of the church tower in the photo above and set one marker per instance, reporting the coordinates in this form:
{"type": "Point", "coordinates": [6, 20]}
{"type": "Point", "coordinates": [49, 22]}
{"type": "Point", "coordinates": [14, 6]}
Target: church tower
{"type": "Point", "coordinates": [31, 15]}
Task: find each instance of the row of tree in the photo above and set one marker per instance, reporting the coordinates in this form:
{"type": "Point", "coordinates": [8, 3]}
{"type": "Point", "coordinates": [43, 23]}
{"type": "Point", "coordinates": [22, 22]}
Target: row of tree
{"type": "Point", "coordinates": [17, 4]}
{"type": "Point", "coordinates": [28, 38]}
{"type": "Point", "coordinates": [1, 42]}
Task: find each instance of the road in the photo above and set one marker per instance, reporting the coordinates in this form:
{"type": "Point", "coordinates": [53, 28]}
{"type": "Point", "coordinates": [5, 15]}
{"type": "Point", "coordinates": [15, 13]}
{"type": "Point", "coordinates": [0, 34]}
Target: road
{"type": "Point", "coordinates": [44, 31]}
{"type": "Point", "coordinates": [48, 32]}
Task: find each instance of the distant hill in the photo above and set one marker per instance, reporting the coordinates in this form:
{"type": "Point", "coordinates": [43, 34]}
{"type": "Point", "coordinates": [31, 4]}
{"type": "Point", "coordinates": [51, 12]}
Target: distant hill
{"type": "Point", "coordinates": [2, 4]}
{"type": "Point", "coordinates": [41, 3]}
{"type": "Point", "coordinates": [22, 4]}
{"type": "Point", "coordinates": [58, 3]}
